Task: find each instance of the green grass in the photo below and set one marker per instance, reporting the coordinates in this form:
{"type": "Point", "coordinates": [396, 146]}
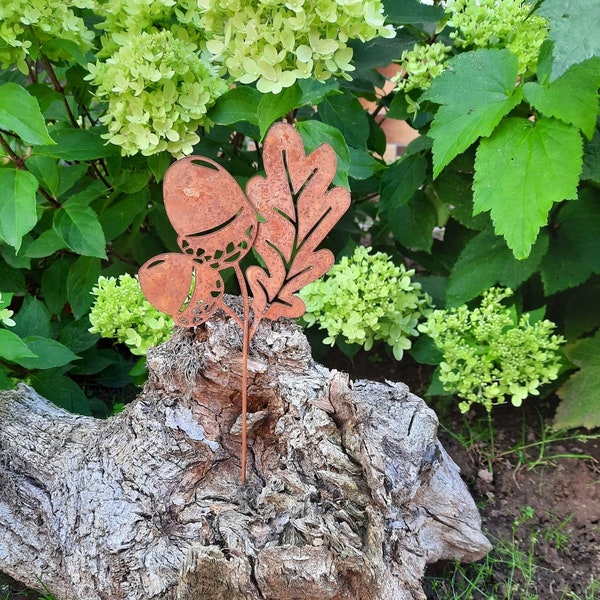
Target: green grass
{"type": "Point", "coordinates": [506, 573]}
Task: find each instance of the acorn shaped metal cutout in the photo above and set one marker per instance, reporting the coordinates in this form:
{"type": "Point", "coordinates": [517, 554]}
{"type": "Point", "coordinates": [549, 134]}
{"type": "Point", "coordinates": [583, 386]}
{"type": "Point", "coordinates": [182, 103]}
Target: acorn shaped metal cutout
{"type": "Point", "coordinates": [210, 212]}
{"type": "Point", "coordinates": [217, 225]}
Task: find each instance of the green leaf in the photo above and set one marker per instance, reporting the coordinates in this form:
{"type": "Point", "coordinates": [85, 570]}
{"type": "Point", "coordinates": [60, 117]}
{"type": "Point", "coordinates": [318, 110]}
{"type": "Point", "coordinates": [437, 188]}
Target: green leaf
{"type": "Point", "coordinates": [591, 158]}
{"type": "Point", "coordinates": [20, 113]}
{"type": "Point", "coordinates": [120, 214]}
{"type": "Point", "coordinates": [574, 252]}
{"type": "Point", "coordinates": [76, 336]}
{"type": "Point", "coordinates": [476, 91]}
{"type": "Point", "coordinates": [94, 360]}
{"type": "Point", "coordinates": [82, 277]}
{"type": "Point", "coordinates": [17, 260]}
{"type": "Point", "coordinates": [579, 406]}
{"type": "Point", "coordinates": [11, 280]}
{"type": "Point", "coordinates": [363, 165]}
{"type": "Point", "coordinates": [453, 188]}
{"type": "Point", "coordinates": [399, 184]}
{"type": "Point", "coordinates": [486, 261]}
{"type": "Point", "coordinates": [69, 176]}
{"type": "Point", "coordinates": [315, 133]}
{"type": "Point", "coordinates": [131, 181]}
{"type": "Point", "coordinates": [345, 112]}
{"type": "Point", "coordinates": [5, 299]}
{"type": "Point", "coordinates": [18, 213]}
{"type": "Point", "coordinates": [520, 171]}
{"type": "Point", "coordinates": [313, 91]}
{"type": "Point", "coordinates": [87, 191]}
{"type": "Point", "coordinates": [62, 391]}
{"type": "Point", "coordinates": [572, 98]}
{"type": "Point", "coordinates": [78, 144]}
{"type": "Point", "coordinates": [425, 352]}
{"type": "Point", "coordinates": [581, 310]}
{"type": "Point", "coordinates": [574, 31]}
{"type": "Point", "coordinates": [158, 164]}
{"type": "Point", "coordinates": [50, 354]}
{"type": "Point", "coordinates": [5, 381]}
{"type": "Point", "coordinates": [379, 51]}
{"type": "Point", "coordinates": [274, 106]}
{"type": "Point", "coordinates": [13, 348]}
{"type": "Point", "coordinates": [57, 49]}
{"type": "Point", "coordinates": [32, 319]}
{"type": "Point", "coordinates": [412, 222]}
{"type": "Point", "coordinates": [46, 171]}
{"type": "Point", "coordinates": [410, 12]}
{"type": "Point", "coordinates": [80, 228]}
{"type": "Point", "coordinates": [237, 104]}
{"type": "Point", "coordinates": [54, 284]}
{"type": "Point", "coordinates": [46, 244]}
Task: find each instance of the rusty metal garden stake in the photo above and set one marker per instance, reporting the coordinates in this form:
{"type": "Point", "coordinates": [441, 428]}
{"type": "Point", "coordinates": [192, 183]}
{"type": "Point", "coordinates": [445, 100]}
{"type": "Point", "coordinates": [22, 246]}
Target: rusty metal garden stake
{"type": "Point", "coordinates": [217, 225]}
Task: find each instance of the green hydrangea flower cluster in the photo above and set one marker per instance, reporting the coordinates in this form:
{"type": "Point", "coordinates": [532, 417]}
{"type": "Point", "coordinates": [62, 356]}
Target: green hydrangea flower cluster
{"type": "Point", "coordinates": [125, 18]}
{"type": "Point", "coordinates": [490, 354]}
{"type": "Point", "coordinates": [419, 67]}
{"type": "Point", "coordinates": [499, 24]}
{"type": "Point", "coordinates": [366, 297]}
{"type": "Point", "coordinates": [276, 42]}
{"type": "Point", "coordinates": [159, 91]}
{"type": "Point", "coordinates": [27, 24]}
{"type": "Point", "coordinates": [120, 311]}
{"type": "Point", "coordinates": [5, 313]}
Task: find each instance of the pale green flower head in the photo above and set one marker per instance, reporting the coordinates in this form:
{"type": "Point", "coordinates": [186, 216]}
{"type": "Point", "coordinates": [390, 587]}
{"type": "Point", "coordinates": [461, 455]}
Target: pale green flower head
{"type": "Point", "coordinates": [122, 312]}
{"type": "Point", "coordinates": [490, 354]}
{"type": "Point", "coordinates": [5, 313]}
{"type": "Point", "coordinates": [365, 298]}
{"type": "Point", "coordinates": [420, 66]}
{"type": "Point", "coordinates": [27, 22]}
{"type": "Point", "coordinates": [158, 90]}
{"type": "Point", "coordinates": [506, 24]}
{"type": "Point", "coordinates": [276, 42]}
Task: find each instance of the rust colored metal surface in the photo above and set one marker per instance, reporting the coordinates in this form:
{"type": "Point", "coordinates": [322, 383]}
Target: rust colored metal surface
{"type": "Point", "coordinates": [284, 216]}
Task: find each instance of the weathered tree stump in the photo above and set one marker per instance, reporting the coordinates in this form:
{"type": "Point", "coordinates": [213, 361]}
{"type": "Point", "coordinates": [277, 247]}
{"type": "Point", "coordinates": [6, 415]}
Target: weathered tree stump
{"type": "Point", "coordinates": [349, 493]}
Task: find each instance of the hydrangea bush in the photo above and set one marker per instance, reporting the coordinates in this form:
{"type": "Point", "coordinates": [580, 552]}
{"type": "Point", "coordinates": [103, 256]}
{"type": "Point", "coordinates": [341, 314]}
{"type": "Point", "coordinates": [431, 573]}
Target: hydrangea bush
{"type": "Point", "coordinates": [120, 311]}
{"type": "Point", "coordinates": [490, 355]}
{"type": "Point", "coordinates": [365, 298]}
{"type": "Point", "coordinates": [97, 98]}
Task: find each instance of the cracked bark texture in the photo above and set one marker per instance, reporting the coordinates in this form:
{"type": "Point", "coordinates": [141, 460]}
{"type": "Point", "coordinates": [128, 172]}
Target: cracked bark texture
{"type": "Point", "coordinates": [349, 494]}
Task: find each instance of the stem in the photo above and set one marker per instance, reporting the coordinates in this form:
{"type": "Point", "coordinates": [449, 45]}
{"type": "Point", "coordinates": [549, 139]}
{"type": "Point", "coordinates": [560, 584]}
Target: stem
{"type": "Point", "coordinates": [20, 163]}
{"type": "Point", "coordinates": [59, 88]}
{"type": "Point", "coordinates": [245, 348]}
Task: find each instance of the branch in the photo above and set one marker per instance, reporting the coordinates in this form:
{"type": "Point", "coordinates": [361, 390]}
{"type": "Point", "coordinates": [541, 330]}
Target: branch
{"type": "Point", "coordinates": [59, 88]}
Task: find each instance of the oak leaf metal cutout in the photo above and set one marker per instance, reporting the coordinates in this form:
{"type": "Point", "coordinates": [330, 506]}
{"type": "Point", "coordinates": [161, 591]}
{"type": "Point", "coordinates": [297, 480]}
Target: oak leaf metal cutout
{"type": "Point", "coordinates": [283, 216]}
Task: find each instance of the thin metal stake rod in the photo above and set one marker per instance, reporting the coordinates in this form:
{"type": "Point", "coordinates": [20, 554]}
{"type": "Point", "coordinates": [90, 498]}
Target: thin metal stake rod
{"type": "Point", "coordinates": [245, 349]}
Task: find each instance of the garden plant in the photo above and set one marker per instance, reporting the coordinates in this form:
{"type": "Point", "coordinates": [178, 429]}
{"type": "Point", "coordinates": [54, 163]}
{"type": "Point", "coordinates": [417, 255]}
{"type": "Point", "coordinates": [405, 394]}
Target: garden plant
{"type": "Point", "coordinates": [476, 252]}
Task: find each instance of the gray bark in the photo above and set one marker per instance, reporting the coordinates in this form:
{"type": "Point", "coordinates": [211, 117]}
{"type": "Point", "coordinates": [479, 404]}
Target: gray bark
{"type": "Point", "coordinates": [349, 494]}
